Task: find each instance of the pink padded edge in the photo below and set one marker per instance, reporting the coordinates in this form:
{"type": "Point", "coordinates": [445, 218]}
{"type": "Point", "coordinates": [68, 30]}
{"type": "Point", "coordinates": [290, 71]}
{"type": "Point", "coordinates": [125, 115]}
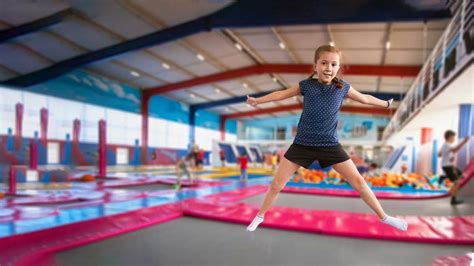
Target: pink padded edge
{"type": "Point", "coordinates": [238, 194]}
{"type": "Point", "coordinates": [32, 248]}
{"type": "Point", "coordinates": [337, 222]}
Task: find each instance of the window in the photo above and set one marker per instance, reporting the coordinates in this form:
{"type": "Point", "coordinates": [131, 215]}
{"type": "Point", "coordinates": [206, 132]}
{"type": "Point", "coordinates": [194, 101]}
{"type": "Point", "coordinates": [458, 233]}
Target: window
{"type": "Point", "coordinates": [281, 133]}
{"type": "Point", "coordinates": [53, 152]}
{"type": "Point", "coordinates": [122, 156]}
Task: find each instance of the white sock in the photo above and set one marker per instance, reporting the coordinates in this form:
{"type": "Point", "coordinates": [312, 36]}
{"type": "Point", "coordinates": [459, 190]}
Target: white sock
{"type": "Point", "coordinates": [254, 224]}
{"type": "Point", "coordinates": [395, 222]}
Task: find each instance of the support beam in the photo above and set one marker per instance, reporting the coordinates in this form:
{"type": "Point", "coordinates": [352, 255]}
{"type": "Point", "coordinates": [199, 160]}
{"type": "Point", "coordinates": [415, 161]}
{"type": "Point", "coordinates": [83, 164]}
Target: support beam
{"type": "Point", "coordinates": [368, 70]}
{"type": "Point", "coordinates": [286, 108]}
{"type": "Point", "coordinates": [192, 124]}
{"type": "Point", "coordinates": [145, 111]}
{"type": "Point", "coordinates": [223, 119]}
{"type": "Point", "coordinates": [63, 67]}
{"type": "Point", "coordinates": [33, 26]}
{"type": "Point", "coordinates": [296, 12]}
{"type": "Point", "coordinates": [239, 99]}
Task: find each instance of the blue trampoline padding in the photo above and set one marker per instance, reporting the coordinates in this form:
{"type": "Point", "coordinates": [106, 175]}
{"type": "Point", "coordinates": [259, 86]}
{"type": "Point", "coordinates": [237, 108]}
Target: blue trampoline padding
{"type": "Point", "coordinates": [89, 195]}
{"type": "Point", "coordinates": [6, 212]}
{"type": "Point", "coordinates": [406, 190]}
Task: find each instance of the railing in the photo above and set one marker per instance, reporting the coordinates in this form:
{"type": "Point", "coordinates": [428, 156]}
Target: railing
{"type": "Point", "coordinates": [450, 55]}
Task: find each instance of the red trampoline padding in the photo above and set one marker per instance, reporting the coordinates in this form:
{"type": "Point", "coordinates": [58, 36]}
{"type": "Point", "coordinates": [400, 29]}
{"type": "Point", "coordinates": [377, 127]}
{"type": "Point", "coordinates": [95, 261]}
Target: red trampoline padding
{"type": "Point", "coordinates": [355, 194]}
{"type": "Point", "coordinates": [338, 223]}
{"type": "Point", "coordinates": [37, 247]}
{"type": "Point", "coordinates": [238, 194]}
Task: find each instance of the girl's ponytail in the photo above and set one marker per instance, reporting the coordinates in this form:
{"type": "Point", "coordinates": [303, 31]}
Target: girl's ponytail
{"type": "Point", "coordinates": [339, 83]}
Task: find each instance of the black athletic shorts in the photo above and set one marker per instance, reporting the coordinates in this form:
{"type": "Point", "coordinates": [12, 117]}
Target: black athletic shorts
{"type": "Point", "coordinates": [452, 173]}
{"type": "Point", "coordinates": [326, 156]}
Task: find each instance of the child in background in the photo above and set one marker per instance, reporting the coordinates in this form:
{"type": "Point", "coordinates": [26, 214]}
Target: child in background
{"type": "Point", "coordinates": [373, 170]}
{"type": "Point", "coordinates": [243, 162]}
{"type": "Point", "coordinates": [200, 159]}
{"type": "Point", "coordinates": [222, 157]}
{"type": "Point", "coordinates": [447, 163]}
{"type": "Point", "coordinates": [182, 168]}
{"type": "Point", "coordinates": [274, 159]}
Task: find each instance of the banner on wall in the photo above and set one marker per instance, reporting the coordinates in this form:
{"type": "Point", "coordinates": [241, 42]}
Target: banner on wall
{"type": "Point", "coordinates": [359, 128]}
{"type": "Point", "coordinates": [93, 90]}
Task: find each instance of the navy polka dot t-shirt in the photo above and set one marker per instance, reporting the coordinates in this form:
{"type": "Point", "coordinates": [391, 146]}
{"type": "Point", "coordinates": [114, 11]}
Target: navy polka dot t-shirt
{"type": "Point", "coordinates": [318, 122]}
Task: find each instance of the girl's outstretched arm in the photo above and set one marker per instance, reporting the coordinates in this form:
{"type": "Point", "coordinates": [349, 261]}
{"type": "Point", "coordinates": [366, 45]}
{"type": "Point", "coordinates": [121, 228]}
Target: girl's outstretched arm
{"type": "Point", "coordinates": [367, 99]}
{"type": "Point", "coordinates": [275, 96]}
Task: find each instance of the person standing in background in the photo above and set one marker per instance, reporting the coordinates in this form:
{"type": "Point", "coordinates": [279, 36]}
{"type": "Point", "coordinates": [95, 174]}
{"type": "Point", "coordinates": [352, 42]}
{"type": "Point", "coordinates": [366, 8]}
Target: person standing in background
{"type": "Point", "coordinates": [451, 172]}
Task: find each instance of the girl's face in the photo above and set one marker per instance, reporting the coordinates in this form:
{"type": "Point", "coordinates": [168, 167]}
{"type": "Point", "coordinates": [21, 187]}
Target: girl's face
{"type": "Point", "coordinates": [327, 67]}
{"type": "Point", "coordinates": [451, 139]}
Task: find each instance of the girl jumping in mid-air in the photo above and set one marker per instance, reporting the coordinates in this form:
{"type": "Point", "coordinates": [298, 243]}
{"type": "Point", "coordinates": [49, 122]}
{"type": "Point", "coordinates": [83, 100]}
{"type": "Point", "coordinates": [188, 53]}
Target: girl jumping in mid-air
{"type": "Point", "coordinates": [316, 137]}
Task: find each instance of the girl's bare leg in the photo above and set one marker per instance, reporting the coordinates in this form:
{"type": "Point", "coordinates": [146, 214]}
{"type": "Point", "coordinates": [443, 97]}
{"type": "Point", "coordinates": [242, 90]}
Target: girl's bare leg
{"type": "Point", "coordinates": [284, 172]}
{"type": "Point", "coordinates": [350, 172]}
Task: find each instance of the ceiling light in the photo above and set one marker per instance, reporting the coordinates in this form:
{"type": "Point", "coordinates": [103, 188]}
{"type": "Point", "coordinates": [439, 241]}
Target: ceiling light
{"type": "Point", "coordinates": [217, 90]}
{"type": "Point", "coordinates": [238, 46]}
{"type": "Point", "coordinates": [387, 45]}
{"type": "Point", "coordinates": [332, 43]}
{"type": "Point", "coordinates": [165, 65]}
{"type": "Point", "coordinates": [134, 73]}
{"type": "Point", "coordinates": [200, 57]}
{"type": "Point", "coordinates": [282, 45]}
{"type": "Point", "coordinates": [245, 85]}
{"type": "Point", "coordinates": [275, 79]}
{"type": "Point", "coordinates": [192, 95]}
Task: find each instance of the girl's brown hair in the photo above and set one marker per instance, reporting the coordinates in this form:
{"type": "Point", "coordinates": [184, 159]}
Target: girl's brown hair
{"type": "Point", "coordinates": [331, 49]}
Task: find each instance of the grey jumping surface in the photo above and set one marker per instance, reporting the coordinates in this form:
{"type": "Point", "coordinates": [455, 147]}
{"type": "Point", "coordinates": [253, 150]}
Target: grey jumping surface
{"type": "Point", "coordinates": [189, 241]}
{"type": "Point", "coordinates": [468, 189]}
{"type": "Point", "coordinates": [435, 207]}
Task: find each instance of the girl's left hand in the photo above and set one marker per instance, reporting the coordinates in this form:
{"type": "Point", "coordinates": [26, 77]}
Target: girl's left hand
{"type": "Point", "coordinates": [252, 101]}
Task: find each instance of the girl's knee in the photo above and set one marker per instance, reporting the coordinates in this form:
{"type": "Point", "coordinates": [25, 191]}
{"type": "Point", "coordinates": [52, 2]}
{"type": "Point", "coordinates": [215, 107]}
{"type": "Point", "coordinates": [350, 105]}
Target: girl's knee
{"type": "Point", "coordinates": [277, 186]}
{"type": "Point", "coordinates": [358, 184]}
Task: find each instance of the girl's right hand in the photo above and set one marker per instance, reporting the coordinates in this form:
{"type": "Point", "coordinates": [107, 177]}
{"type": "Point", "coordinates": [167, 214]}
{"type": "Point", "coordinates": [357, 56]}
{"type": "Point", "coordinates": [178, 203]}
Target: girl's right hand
{"type": "Point", "coordinates": [252, 101]}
